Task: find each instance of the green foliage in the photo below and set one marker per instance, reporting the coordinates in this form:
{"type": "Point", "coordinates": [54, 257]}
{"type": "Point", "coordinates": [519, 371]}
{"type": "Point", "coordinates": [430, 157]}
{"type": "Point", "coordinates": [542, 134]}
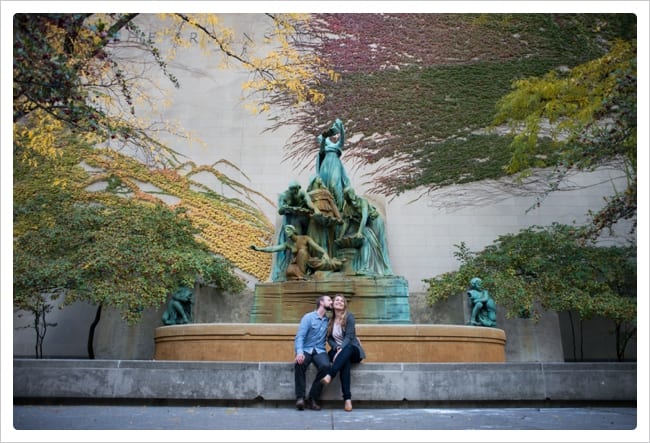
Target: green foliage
{"type": "Point", "coordinates": [74, 77]}
{"type": "Point", "coordinates": [435, 84]}
{"type": "Point", "coordinates": [423, 118]}
{"type": "Point", "coordinates": [110, 251]}
{"type": "Point", "coordinates": [591, 111]}
{"type": "Point", "coordinates": [552, 268]}
{"type": "Point", "coordinates": [464, 160]}
{"type": "Point", "coordinates": [62, 67]}
{"type": "Point", "coordinates": [574, 103]}
{"type": "Point", "coordinates": [577, 37]}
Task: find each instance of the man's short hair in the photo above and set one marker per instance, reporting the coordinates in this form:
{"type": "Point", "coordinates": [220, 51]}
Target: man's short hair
{"type": "Point", "coordinates": [321, 298]}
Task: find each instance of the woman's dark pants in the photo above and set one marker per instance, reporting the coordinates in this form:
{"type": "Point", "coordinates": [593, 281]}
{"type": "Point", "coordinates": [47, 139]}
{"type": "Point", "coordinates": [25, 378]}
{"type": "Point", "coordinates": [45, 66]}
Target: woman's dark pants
{"type": "Point", "coordinates": [343, 363]}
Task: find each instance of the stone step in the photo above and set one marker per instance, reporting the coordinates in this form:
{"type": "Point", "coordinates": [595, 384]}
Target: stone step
{"type": "Point", "coordinates": [140, 380]}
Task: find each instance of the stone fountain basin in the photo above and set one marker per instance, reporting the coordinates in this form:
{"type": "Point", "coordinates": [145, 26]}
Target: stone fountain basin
{"type": "Point", "coordinates": [273, 342]}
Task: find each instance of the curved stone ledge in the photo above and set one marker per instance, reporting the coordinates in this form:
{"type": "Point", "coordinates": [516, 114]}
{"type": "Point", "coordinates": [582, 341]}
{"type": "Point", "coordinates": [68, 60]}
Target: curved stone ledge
{"type": "Point", "coordinates": [273, 342]}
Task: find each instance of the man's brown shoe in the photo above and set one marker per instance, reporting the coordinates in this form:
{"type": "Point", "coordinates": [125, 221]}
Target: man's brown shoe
{"type": "Point", "coordinates": [313, 405]}
{"type": "Point", "coordinates": [300, 404]}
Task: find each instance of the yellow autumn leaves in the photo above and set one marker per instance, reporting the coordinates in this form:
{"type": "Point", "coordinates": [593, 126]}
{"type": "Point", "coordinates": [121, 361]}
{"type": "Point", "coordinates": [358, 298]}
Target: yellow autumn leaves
{"type": "Point", "coordinates": [226, 226]}
{"type": "Point", "coordinates": [277, 67]}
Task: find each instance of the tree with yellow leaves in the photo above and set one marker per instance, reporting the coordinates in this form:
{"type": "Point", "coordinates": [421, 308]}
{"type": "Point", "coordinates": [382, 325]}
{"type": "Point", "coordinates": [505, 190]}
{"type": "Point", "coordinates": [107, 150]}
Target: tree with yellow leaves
{"type": "Point", "coordinates": [76, 101]}
{"type": "Point", "coordinates": [68, 66]}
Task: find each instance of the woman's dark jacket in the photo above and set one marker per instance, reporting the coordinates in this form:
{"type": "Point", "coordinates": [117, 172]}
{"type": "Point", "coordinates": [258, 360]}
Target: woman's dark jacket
{"type": "Point", "coordinates": [349, 336]}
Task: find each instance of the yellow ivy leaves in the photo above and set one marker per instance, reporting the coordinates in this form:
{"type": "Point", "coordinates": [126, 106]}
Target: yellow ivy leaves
{"type": "Point", "coordinates": [567, 102]}
{"type": "Point", "coordinates": [43, 139]}
{"type": "Point", "coordinates": [227, 226]}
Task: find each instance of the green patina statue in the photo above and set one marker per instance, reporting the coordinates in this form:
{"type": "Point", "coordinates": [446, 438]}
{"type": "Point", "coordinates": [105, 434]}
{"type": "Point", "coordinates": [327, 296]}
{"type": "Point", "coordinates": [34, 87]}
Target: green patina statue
{"type": "Point", "coordinates": [484, 309]}
{"type": "Point", "coordinates": [331, 225]}
{"type": "Point", "coordinates": [324, 222]}
{"type": "Point", "coordinates": [179, 308]}
{"type": "Point", "coordinates": [302, 261]}
{"type": "Point", "coordinates": [364, 227]}
{"type": "Point", "coordinates": [296, 206]}
{"type": "Point", "coordinates": [329, 167]}
{"type": "Point", "coordinates": [331, 239]}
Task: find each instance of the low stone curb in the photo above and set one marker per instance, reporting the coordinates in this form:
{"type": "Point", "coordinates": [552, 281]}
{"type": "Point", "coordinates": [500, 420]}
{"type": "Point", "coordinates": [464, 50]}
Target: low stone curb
{"type": "Point", "coordinates": [127, 380]}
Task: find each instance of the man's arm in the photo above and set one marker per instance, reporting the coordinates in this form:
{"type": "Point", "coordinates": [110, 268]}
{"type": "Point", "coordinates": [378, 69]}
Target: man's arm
{"type": "Point", "coordinates": [299, 341]}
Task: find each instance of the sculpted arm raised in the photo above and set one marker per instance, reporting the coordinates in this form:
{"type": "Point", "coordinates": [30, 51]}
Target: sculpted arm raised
{"type": "Point", "coordinates": [338, 127]}
{"type": "Point", "coordinates": [273, 248]}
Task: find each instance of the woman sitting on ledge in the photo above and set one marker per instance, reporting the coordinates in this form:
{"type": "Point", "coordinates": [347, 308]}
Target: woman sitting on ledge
{"type": "Point", "coordinates": [345, 347]}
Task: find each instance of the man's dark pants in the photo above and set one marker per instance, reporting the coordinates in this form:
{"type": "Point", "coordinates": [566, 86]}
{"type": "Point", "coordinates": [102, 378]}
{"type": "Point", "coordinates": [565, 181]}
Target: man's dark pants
{"type": "Point", "coordinates": [322, 362]}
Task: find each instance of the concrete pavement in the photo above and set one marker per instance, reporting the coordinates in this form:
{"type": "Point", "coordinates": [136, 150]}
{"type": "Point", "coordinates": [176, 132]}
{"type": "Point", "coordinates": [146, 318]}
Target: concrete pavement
{"type": "Point", "coordinates": [331, 417]}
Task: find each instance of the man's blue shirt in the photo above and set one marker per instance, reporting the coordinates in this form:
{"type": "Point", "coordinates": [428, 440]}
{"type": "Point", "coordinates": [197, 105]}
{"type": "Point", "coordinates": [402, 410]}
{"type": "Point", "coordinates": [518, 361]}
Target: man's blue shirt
{"type": "Point", "coordinates": [311, 333]}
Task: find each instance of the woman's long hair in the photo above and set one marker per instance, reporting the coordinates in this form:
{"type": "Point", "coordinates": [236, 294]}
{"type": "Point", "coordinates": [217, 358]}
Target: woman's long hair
{"type": "Point", "coordinates": [344, 315]}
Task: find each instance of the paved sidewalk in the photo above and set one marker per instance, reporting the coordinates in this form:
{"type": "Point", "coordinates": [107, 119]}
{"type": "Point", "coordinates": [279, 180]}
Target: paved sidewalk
{"type": "Point", "coordinates": [98, 417]}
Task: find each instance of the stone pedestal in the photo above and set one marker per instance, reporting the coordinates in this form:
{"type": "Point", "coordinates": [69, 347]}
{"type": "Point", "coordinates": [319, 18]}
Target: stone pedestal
{"type": "Point", "coordinates": [372, 300]}
{"type": "Point", "coordinates": [348, 255]}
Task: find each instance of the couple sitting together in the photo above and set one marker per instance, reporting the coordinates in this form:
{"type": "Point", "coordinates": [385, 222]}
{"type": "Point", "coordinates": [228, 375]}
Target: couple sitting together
{"type": "Point", "coordinates": [315, 329]}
